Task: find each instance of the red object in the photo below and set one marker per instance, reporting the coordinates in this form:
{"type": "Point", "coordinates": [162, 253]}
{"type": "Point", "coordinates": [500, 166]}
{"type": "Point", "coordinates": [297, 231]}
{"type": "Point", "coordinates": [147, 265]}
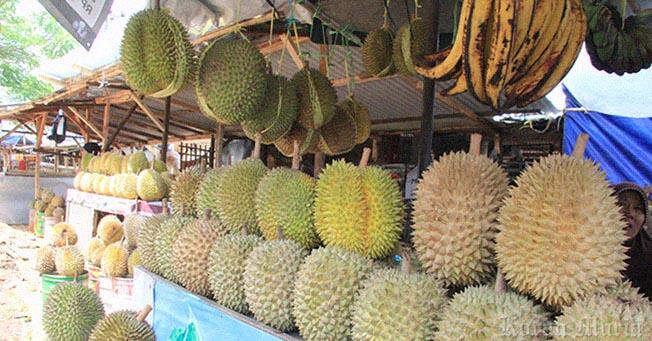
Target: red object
{"type": "Point", "coordinates": [22, 165]}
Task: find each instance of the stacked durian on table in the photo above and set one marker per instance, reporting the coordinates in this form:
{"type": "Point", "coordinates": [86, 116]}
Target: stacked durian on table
{"type": "Point", "coordinates": [49, 203]}
{"type": "Point", "coordinates": [130, 176]}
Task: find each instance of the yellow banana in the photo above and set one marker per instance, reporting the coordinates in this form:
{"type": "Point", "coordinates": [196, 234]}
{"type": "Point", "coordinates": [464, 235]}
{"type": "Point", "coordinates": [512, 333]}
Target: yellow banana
{"type": "Point", "coordinates": [476, 32]}
{"type": "Point", "coordinates": [577, 22]}
{"type": "Point", "coordinates": [500, 45]}
{"type": "Point", "coordinates": [453, 61]}
{"type": "Point", "coordinates": [546, 62]}
{"type": "Point", "coordinates": [458, 87]}
{"type": "Point", "coordinates": [524, 19]}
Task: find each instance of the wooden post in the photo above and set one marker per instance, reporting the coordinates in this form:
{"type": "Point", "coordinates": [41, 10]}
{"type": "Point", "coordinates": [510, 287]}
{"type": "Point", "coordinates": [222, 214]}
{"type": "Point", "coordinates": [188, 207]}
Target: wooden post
{"type": "Point", "coordinates": [37, 166]}
{"type": "Point", "coordinates": [580, 145]}
{"type": "Point", "coordinates": [111, 138]}
{"type": "Point", "coordinates": [87, 115]}
{"type": "Point", "coordinates": [166, 127]}
{"type": "Point", "coordinates": [323, 69]}
{"type": "Point", "coordinates": [374, 149]}
{"type": "Point", "coordinates": [364, 160]}
{"type": "Point", "coordinates": [431, 20]}
{"type": "Point", "coordinates": [296, 155]}
{"type": "Point", "coordinates": [105, 125]}
{"type": "Point", "coordinates": [257, 143]}
{"type": "Point", "coordinates": [219, 137]}
{"type": "Point", "coordinates": [142, 315]}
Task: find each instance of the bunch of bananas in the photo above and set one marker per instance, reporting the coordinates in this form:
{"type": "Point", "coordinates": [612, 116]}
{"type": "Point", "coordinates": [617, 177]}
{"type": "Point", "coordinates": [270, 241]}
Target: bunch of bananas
{"type": "Point", "coordinates": [616, 45]}
{"type": "Point", "coordinates": [510, 52]}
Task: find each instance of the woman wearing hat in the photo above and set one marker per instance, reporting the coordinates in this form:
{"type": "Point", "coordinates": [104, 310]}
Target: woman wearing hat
{"type": "Point", "coordinates": [633, 202]}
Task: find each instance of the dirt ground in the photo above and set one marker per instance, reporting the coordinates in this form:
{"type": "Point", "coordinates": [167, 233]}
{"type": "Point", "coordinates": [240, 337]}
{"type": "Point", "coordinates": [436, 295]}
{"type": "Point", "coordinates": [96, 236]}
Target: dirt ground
{"type": "Point", "coordinates": [20, 284]}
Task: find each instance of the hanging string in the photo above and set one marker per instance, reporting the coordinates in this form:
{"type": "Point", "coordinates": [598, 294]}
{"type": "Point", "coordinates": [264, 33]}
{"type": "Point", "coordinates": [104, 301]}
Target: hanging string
{"type": "Point", "coordinates": [407, 9]}
{"type": "Point", "coordinates": [416, 8]}
{"type": "Point", "coordinates": [387, 15]}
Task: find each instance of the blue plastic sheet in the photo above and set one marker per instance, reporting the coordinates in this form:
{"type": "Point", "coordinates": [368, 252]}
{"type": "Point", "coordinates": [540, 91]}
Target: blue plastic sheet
{"type": "Point", "coordinates": [181, 316]}
{"type": "Point", "coordinates": [622, 146]}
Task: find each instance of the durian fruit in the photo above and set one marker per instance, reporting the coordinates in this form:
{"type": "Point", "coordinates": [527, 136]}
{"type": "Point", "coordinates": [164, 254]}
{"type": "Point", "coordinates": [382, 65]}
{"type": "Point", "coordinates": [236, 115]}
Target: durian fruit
{"type": "Point", "coordinates": [205, 195]}
{"type": "Point", "coordinates": [285, 199]}
{"type": "Point", "coordinates": [48, 211]}
{"type": "Point", "coordinates": [325, 289]}
{"type": "Point", "coordinates": [279, 110]}
{"type": "Point", "coordinates": [158, 166]}
{"type": "Point", "coordinates": [137, 162]}
{"type": "Point", "coordinates": [63, 234]}
{"type": "Point", "coordinates": [377, 52]}
{"type": "Point", "coordinates": [46, 195]}
{"type": "Point", "coordinates": [69, 261]}
{"type": "Point", "coordinates": [577, 205]}
{"type": "Point", "coordinates": [103, 164]}
{"type": "Point", "coordinates": [114, 260]}
{"type": "Point", "coordinates": [105, 186]}
{"type": "Point", "coordinates": [147, 241]}
{"type": "Point", "coordinates": [86, 182]}
{"type": "Point", "coordinates": [128, 186]}
{"type": "Point", "coordinates": [95, 251]}
{"type": "Point", "coordinates": [92, 164]}
{"type": "Point", "coordinates": [109, 229]}
{"type": "Point", "coordinates": [70, 312]}
{"type": "Point", "coordinates": [359, 209]}
{"type": "Point", "coordinates": [133, 261]}
{"type": "Point", "coordinates": [122, 325]}
{"type": "Point", "coordinates": [397, 306]}
{"type": "Point", "coordinates": [59, 212]}
{"type": "Point", "coordinates": [150, 186]}
{"type": "Point", "coordinates": [39, 205]}
{"type": "Point", "coordinates": [184, 189]}
{"type": "Point", "coordinates": [625, 292]}
{"type": "Point", "coordinates": [44, 262]}
{"type": "Point", "coordinates": [599, 318]}
{"type": "Point", "coordinates": [360, 114]}
{"type": "Point", "coordinates": [226, 267]}
{"type": "Point", "coordinates": [235, 192]}
{"type": "Point", "coordinates": [338, 135]}
{"type": "Point", "coordinates": [124, 165]}
{"type": "Point", "coordinates": [131, 227]}
{"type": "Point", "coordinates": [455, 211]}
{"type": "Point", "coordinates": [97, 183]}
{"type": "Point", "coordinates": [480, 313]}
{"type": "Point", "coordinates": [76, 183]}
{"type": "Point", "coordinates": [308, 141]}
{"type": "Point", "coordinates": [85, 160]}
{"type": "Point", "coordinates": [231, 81]}
{"type": "Point", "coordinates": [57, 201]}
{"type": "Point", "coordinates": [167, 234]}
{"type": "Point", "coordinates": [269, 281]}
{"type": "Point", "coordinates": [155, 55]}
{"type": "Point", "coordinates": [317, 98]}
{"type": "Point", "coordinates": [190, 253]}
{"type": "Point", "coordinates": [113, 164]}
{"type": "Point", "coordinates": [409, 43]}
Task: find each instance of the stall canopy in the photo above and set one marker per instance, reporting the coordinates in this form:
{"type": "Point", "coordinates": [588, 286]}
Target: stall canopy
{"type": "Point", "coordinates": [621, 145]}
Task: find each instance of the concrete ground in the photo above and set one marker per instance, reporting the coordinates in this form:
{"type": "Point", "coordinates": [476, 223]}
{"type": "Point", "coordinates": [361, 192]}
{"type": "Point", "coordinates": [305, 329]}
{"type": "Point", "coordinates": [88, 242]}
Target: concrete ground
{"type": "Point", "coordinates": [20, 285]}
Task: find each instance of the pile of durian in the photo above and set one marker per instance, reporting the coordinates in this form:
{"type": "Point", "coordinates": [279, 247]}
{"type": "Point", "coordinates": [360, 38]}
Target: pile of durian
{"type": "Point", "coordinates": [50, 204]}
{"type": "Point", "coordinates": [311, 255]}
{"type": "Point", "coordinates": [114, 249]}
{"type": "Point", "coordinates": [61, 256]}
{"type": "Point", "coordinates": [131, 176]}
{"type": "Point", "coordinates": [74, 312]}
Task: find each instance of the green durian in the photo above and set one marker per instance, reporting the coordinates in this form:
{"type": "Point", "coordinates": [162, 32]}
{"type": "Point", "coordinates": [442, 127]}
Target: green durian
{"type": "Point", "coordinates": [150, 186]}
{"type": "Point", "coordinates": [205, 194]}
{"type": "Point", "coordinates": [316, 96]}
{"type": "Point", "coordinates": [137, 162]}
{"type": "Point", "coordinates": [338, 135]}
{"type": "Point", "coordinates": [70, 312]}
{"type": "Point", "coordinates": [377, 53]}
{"type": "Point", "coordinates": [308, 140]}
{"type": "Point", "coordinates": [147, 237]}
{"type": "Point", "coordinates": [122, 325]}
{"type": "Point", "coordinates": [409, 43]}
{"type": "Point", "coordinates": [360, 114]}
{"type": "Point", "coordinates": [184, 190]}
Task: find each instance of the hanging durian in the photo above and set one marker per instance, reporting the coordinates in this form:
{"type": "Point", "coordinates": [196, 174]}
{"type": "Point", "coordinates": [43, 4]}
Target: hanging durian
{"type": "Point", "coordinates": [231, 80]}
{"type": "Point", "coordinates": [155, 55]}
{"type": "Point", "coordinates": [308, 140]}
{"type": "Point", "coordinates": [360, 114]}
{"type": "Point", "coordinates": [338, 136]}
{"type": "Point", "coordinates": [317, 98]}
{"type": "Point", "coordinates": [377, 53]}
{"type": "Point", "coordinates": [409, 43]}
{"type": "Point", "coordinates": [561, 234]}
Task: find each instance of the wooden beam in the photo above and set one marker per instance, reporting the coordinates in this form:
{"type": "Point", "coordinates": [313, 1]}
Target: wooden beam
{"type": "Point", "coordinates": [86, 122]}
{"type": "Point", "coordinates": [148, 112]}
{"type": "Point", "coordinates": [175, 123]}
{"type": "Point", "coordinates": [106, 117]}
{"type": "Point", "coordinates": [358, 79]}
{"type": "Point", "coordinates": [292, 50]}
{"type": "Point", "coordinates": [87, 114]}
{"type": "Point", "coordinates": [16, 127]}
{"type": "Point", "coordinates": [78, 123]}
{"type": "Point", "coordinates": [267, 17]}
{"type": "Point", "coordinates": [118, 97]}
{"type": "Point", "coordinates": [41, 128]}
{"type": "Point", "coordinates": [122, 123]}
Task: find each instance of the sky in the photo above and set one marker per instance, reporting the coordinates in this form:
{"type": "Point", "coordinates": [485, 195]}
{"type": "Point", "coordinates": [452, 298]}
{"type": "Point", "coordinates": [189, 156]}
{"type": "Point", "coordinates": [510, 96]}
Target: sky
{"type": "Point", "coordinates": [629, 95]}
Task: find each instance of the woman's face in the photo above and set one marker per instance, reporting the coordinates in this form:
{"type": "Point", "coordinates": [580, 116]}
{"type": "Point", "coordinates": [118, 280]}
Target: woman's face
{"type": "Point", "coordinates": [631, 207]}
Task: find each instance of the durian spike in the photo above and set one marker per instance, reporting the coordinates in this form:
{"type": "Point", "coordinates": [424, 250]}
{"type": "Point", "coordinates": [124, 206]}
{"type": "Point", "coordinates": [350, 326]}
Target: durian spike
{"type": "Point", "coordinates": [580, 145]}
{"type": "Point", "coordinates": [500, 286]}
{"type": "Point", "coordinates": [279, 233]}
{"type": "Point", "coordinates": [476, 142]}
{"type": "Point", "coordinates": [257, 143]}
{"type": "Point", "coordinates": [296, 155]}
{"type": "Point", "coordinates": [364, 160]}
{"type": "Point", "coordinates": [142, 315]}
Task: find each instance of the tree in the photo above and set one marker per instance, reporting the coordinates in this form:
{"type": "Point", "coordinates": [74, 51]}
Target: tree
{"type": "Point", "coordinates": [24, 41]}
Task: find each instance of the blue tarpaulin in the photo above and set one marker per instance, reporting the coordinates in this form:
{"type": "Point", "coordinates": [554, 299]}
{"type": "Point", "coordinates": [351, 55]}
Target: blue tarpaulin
{"type": "Point", "coordinates": [622, 146]}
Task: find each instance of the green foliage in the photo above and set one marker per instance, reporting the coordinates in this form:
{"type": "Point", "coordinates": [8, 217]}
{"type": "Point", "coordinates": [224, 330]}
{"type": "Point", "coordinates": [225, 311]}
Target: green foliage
{"type": "Point", "coordinates": [24, 41]}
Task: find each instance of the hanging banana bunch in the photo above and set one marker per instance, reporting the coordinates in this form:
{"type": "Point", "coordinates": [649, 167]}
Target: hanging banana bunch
{"type": "Point", "coordinates": [510, 52]}
{"type": "Point", "coordinates": [617, 44]}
